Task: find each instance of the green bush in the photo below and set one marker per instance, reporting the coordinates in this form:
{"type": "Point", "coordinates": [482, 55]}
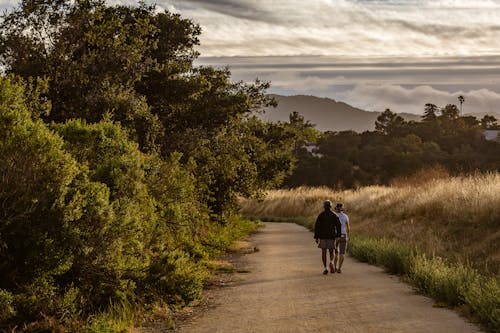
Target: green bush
{"type": "Point", "coordinates": [447, 283]}
{"type": "Point", "coordinates": [177, 276]}
{"type": "Point", "coordinates": [89, 223]}
{"type": "Point", "coordinates": [36, 173]}
{"type": "Point", "coordinates": [6, 305]}
{"type": "Point", "coordinates": [396, 258]}
{"type": "Point", "coordinates": [453, 284]}
{"type": "Point", "coordinates": [484, 299]}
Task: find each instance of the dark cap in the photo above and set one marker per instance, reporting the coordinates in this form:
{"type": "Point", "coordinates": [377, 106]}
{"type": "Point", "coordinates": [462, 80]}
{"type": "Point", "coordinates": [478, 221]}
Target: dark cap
{"type": "Point", "coordinates": [339, 206]}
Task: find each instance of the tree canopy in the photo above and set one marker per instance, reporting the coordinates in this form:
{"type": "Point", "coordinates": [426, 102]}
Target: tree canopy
{"type": "Point", "coordinates": [122, 162]}
{"type": "Point", "coordinates": [398, 148]}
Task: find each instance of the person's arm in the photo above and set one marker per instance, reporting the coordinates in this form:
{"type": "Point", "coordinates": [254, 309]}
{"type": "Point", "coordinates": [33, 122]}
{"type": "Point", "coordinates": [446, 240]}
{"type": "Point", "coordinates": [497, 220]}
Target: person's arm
{"type": "Point", "coordinates": [338, 227]}
{"type": "Point", "coordinates": [347, 228]}
{"type": "Point", "coordinates": [316, 230]}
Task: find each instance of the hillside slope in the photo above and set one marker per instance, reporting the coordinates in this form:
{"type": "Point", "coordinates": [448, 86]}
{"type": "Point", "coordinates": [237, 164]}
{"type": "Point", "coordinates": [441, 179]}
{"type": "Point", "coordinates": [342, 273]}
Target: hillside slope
{"type": "Point", "coordinates": [328, 114]}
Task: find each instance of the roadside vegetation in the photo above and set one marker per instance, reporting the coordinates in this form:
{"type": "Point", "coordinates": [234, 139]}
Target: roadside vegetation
{"type": "Point", "coordinates": [120, 164]}
{"type": "Point", "coordinates": [441, 232]}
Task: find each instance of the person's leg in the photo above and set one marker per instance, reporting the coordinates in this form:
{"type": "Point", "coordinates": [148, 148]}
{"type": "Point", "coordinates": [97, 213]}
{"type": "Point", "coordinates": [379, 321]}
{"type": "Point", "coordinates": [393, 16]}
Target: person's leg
{"type": "Point", "coordinates": [332, 268]}
{"type": "Point", "coordinates": [323, 257]}
{"type": "Point", "coordinates": [335, 260]}
{"type": "Point", "coordinates": [342, 248]}
{"type": "Point", "coordinates": [341, 261]}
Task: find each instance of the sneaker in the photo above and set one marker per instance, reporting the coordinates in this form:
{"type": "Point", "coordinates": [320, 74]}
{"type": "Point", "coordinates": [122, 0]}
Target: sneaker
{"type": "Point", "coordinates": [332, 269]}
{"type": "Point", "coordinates": [339, 271]}
{"type": "Point", "coordinates": [325, 271]}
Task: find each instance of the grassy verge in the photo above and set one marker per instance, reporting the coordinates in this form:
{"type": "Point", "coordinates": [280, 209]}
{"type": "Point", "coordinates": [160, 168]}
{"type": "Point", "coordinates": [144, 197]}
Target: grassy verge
{"type": "Point", "coordinates": [451, 284]}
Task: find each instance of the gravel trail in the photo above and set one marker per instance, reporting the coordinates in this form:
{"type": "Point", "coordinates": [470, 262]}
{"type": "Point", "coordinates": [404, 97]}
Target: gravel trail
{"type": "Point", "coordinates": [285, 291]}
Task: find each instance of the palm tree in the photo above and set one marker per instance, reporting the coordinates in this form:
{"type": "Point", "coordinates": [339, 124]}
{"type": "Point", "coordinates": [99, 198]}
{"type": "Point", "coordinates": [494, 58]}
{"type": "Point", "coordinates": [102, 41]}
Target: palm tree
{"type": "Point", "coordinates": [461, 99]}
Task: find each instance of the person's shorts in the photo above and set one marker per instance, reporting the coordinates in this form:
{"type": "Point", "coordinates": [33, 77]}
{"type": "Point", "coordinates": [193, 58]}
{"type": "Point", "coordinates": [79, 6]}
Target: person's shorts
{"type": "Point", "coordinates": [341, 244]}
{"type": "Point", "coordinates": [326, 243]}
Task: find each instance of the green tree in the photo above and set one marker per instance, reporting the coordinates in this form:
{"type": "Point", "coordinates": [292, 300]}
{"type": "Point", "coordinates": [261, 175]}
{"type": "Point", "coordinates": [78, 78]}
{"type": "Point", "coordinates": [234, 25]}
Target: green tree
{"type": "Point", "coordinates": [135, 65]}
{"type": "Point", "coordinates": [461, 100]}
{"type": "Point", "coordinates": [94, 56]}
{"type": "Point", "coordinates": [449, 112]}
{"type": "Point", "coordinates": [430, 112]}
{"type": "Point", "coordinates": [489, 122]}
{"type": "Point", "coordinates": [388, 122]}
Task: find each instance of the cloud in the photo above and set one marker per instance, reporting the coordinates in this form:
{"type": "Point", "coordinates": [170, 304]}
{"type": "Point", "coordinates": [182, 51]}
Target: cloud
{"type": "Point", "coordinates": [412, 100]}
{"type": "Point", "coordinates": [340, 28]}
{"type": "Point", "coordinates": [251, 10]}
{"type": "Point", "coordinates": [401, 84]}
{"type": "Point", "coordinates": [468, 73]}
{"type": "Point", "coordinates": [345, 27]}
{"type": "Point", "coordinates": [8, 4]}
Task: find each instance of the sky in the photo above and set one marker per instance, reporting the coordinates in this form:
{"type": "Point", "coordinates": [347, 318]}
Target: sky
{"type": "Point", "coordinates": [372, 54]}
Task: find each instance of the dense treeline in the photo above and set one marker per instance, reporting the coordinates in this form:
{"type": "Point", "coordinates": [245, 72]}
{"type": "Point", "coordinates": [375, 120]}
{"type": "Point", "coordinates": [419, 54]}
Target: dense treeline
{"type": "Point", "coordinates": [121, 162]}
{"type": "Point", "coordinates": [398, 148]}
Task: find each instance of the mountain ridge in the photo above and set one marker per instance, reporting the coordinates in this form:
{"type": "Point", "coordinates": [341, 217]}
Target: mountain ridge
{"type": "Point", "coordinates": [328, 114]}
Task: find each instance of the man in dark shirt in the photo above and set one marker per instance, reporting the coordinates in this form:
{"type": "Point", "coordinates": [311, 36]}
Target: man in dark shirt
{"type": "Point", "coordinates": [326, 229]}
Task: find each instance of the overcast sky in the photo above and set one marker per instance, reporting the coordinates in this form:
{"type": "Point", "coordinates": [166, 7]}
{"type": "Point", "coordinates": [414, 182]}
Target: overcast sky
{"type": "Point", "coordinates": [371, 54]}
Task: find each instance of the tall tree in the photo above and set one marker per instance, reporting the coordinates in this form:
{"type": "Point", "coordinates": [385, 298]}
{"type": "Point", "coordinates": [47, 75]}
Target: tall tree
{"type": "Point", "coordinates": [135, 65]}
{"type": "Point", "coordinates": [461, 100]}
{"type": "Point", "coordinates": [388, 122]}
{"type": "Point", "coordinates": [450, 111]}
{"type": "Point", "coordinates": [94, 56]}
{"type": "Point", "coordinates": [489, 122]}
{"type": "Point", "coordinates": [430, 112]}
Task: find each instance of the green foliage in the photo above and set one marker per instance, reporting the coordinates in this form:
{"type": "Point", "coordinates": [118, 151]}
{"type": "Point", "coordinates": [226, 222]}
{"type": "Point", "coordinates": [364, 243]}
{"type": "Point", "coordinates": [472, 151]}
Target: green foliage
{"type": "Point", "coordinates": [388, 122]}
{"type": "Point", "coordinates": [134, 65]}
{"type": "Point", "coordinates": [447, 283]}
{"type": "Point", "coordinates": [398, 149]}
{"type": "Point", "coordinates": [489, 122]}
{"type": "Point", "coordinates": [483, 298]}
{"type": "Point", "coordinates": [177, 276]}
{"type": "Point", "coordinates": [94, 57]}
{"type": "Point", "coordinates": [457, 284]}
{"type": "Point", "coordinates": [134, 182]}
{"type": "Point", "coordinates": [118, 317]}
{"type": "Point", "coordinates": [6, 305]}
{"type": "Point", "coordinates": [453, 284]}
{"type": "Point", "coordinates": [36, 173]}
{"type": "Point", "coordinates": [396, 258]}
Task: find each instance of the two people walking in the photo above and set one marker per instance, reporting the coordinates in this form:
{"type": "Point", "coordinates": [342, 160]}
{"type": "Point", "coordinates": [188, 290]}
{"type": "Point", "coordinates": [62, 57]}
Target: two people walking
{"type": "Point", "coordinates": [331, 233]}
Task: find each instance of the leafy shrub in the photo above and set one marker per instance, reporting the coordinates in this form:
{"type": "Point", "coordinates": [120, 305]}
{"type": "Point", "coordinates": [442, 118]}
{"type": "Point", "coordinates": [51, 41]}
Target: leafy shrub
{"type": "Point", "coordinates": [433, 276]}
{"type": "Point", "coordinates": [454, 284]}
{"type": "Point", "coordinates": [36, 173]}
{"type": "Point", "coordinates": [176, 275]}
{"type": "Point", "coordinates": [396, 258]}
{"type": "Point", "coordinates": [6, 305]}
{"type": "Point", "coordinates": [484, 299]}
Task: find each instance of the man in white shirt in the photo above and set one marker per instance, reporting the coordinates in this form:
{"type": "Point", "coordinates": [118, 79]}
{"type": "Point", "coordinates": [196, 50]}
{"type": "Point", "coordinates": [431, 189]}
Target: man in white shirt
{"type": "Point", "coordinates": [341, 242]}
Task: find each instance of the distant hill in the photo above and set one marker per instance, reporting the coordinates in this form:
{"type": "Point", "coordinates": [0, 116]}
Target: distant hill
{"type": "Point", "coordinates": [327, 114]}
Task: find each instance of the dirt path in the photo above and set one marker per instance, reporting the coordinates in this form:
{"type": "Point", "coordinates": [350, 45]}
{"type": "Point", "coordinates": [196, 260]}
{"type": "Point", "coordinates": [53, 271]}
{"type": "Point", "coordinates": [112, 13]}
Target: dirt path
{"type": "Point", "coordinates": [285, 291]}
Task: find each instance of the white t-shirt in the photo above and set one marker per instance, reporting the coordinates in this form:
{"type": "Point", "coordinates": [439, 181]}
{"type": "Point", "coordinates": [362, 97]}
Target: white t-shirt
{"type": "Point", "coordinates": [344, 219]}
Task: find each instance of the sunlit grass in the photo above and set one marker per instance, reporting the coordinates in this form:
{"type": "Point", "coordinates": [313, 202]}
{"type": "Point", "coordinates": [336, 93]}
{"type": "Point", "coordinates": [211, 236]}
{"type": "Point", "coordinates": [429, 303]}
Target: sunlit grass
{"type": "Point", "coordinates": [455, 217]}
{"type": "Point", "coordinates": [441, 232]}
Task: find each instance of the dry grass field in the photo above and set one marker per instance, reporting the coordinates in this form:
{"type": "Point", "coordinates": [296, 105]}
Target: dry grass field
{"type": "Point", "coordinates": [457, 218]}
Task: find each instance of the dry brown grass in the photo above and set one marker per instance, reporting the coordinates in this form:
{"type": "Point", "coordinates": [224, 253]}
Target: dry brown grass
{"type": "Point", "coordinates": [455, 217]}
